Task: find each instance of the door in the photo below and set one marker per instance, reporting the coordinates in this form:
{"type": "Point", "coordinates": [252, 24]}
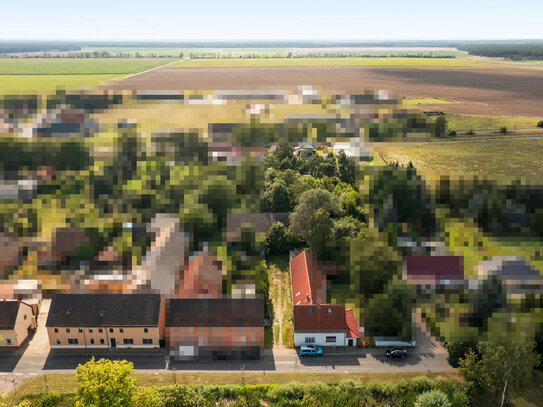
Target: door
{"type": "Point", "coordinates": [351, 342]}
{"type": "Point", "coordinates": [113, 342]}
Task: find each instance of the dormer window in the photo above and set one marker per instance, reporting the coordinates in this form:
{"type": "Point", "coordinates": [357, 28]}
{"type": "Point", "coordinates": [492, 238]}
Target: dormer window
{"type": "Point", "coordinates": [310, 310]}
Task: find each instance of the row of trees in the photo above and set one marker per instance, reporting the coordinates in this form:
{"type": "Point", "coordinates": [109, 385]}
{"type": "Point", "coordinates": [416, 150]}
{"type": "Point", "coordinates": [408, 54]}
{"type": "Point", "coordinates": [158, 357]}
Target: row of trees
{"type": "Point", "coordinates": [511, 51]}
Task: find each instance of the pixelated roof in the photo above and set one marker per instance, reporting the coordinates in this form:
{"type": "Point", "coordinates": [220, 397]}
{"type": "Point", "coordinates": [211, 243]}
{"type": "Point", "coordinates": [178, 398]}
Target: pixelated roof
{"type": "Point", "coordinates": [72, 310]}
{"type": "Point", "coordinates": [434, 267]}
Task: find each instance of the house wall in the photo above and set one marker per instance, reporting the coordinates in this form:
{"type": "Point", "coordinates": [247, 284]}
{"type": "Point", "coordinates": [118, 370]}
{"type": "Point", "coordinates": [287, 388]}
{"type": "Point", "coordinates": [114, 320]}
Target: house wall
{"type": "Point", "coordinates": [137, 334]}
{"type": "Point", "coordinates": [219, 337]}
{"type": "Point", "coordinates": [320, 338]}
{"type": "Point", "coordinates": [19, 333]}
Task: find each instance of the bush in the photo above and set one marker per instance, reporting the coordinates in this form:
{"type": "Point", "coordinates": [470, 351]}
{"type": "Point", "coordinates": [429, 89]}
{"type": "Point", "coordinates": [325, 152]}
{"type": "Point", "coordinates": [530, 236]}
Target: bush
{"type": "Point", "coordinates": [458, 350]}
{"type": "Point", "coordinates": [180, 395]}
{"type": "Point", "coordinates": [287, 391]}
{"type": "Point", "coordinates": [422, 384]}
{"type": "Point", "coordinates": [540, 124]}
{"type": "Point", "coordinates": [503, 130]}
{"type": "Point", "coordinates": [452, 133]}
{"type": "Point", "coordinates": [147, 397]}
{"type": "Point", "coordinates": [434, 398]}
{"type": "Point", "coordinates": [51, 398]}
{"type": "Point", "coordinates": [459, 399]}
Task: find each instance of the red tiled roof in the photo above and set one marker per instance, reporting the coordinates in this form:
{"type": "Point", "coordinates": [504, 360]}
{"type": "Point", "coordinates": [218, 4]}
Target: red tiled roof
{"type": "Point", "coordinates": [319, 318]}
{"type": "Point", "coordinates": [433, 267]}
{"type": "Point", "coordinates": [308, 280]}
{"type": "Point", "coordinates": [353, 330]}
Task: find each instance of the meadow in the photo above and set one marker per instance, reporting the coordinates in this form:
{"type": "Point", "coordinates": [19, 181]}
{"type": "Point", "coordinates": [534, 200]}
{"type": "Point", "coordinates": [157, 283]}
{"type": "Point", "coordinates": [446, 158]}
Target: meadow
{"type": "Point", "coordinates": [30, 84]}
{"type": "Point", "coordinates": [256, 62]}
{"type": "Point", "coordinates": [78, 66]}
{"type": "Point", "coordinates": [510, 158]}
{"type": "Point", "coordinates": [466, 122]}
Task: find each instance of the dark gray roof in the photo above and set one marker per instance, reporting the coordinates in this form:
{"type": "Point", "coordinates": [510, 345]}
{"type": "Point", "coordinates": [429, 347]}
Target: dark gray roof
{"type": "Point", "coordinates": [224, 312]}
{"type": "Point", "coordinates": [104, 310]}
{"type": "Point", "coordinates": [8, 314]}
{"type": "Point", "coordinates": [510, 267]}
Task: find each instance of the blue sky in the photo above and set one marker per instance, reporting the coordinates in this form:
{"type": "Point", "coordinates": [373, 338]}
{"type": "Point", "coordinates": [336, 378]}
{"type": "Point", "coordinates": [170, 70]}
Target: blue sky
{"type": "Point", "coordinates": [264, 20]}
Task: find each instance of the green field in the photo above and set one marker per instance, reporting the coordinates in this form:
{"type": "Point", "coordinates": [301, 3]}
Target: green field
{"type": "Point", "coordinates": [29, 84]}
{"type": "Point", "coordinates": [466, 122]}
{"type": "Point", "coordinates": [492, 158]}
{"type": "Point", "coordinates": [427, 101]}
{"type": "Point", "coordinates": [243, 62]}
{"type": "Point", "coordinates": [78, 66]}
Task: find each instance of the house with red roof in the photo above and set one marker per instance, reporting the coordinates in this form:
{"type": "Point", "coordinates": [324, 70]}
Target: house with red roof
{"type": "Point", "coordinates": [315, 321]}
{"type": "Point", "coordinates": [430, 273]}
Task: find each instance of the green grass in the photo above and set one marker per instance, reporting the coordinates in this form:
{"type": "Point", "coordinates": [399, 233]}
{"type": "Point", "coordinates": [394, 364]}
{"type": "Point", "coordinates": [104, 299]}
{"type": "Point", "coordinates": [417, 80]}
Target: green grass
{"type": "Point", "coordinates": [427, 101]}
{"type": "Point", "coordinates": [466, 122]}
{"type": "Point", "coordinates": [510, 158]}
{"type": "Point", "coordinates": [78, 66]}
{"type": "Point", "coordinates": [256, 62]}
{"type": "Point", "coordinates": [31, 84]}
{"type": "Point", "coordinates": [532, 396]}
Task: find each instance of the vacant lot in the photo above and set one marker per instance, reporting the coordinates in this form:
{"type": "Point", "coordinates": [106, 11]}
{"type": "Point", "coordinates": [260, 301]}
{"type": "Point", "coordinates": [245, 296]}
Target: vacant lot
{"type": "Point", "coordinates": [483, 90]}
{"type": "Point", "coordinates": [396, 61]}
{"type": "Point", "coordinates": [491, 158]}
{"type": "Point", "coordinates": [78, 66]}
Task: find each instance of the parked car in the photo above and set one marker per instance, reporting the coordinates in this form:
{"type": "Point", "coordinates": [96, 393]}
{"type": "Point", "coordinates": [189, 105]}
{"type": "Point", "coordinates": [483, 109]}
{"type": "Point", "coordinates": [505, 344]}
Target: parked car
{"type": "Point", "coordinates": [310, 350]}
{"type": "Point", "coordinates": [396, 353]}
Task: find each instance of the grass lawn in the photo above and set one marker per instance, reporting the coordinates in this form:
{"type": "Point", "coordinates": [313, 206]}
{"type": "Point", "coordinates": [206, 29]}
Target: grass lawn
{"type": "Point", "coordinates": [246, 62]}
{"type": "Point", "coordinates": [65, 382]}
{"type": "Point", "coordinates": [32, 84]}
{"type": "Point", "coordinates": [78, 66]}
{"type": "Point", "coordinates": [514, 158]}
{"type": "Point", "coordinates": [466, 122]}
{"type": "Point", "coordinates": [278, 275]}
{"type": "Point", "coordinates": [427, 101]}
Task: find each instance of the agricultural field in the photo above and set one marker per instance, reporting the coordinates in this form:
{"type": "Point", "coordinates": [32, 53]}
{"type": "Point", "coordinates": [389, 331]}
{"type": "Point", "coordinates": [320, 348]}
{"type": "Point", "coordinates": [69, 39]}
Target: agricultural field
{"type": "Point", "coordinates": [28, 84]}
{"type": "Point", "coordinates": [466, 122]}
{"type": "Point", "coordinates": [427, 101]}
{"type": "Point", "coordinates": [491, 158]}
{"type": "Point", "coordinates": [78, 66]}
{"type": "Point", "coordinates": [256, 62]}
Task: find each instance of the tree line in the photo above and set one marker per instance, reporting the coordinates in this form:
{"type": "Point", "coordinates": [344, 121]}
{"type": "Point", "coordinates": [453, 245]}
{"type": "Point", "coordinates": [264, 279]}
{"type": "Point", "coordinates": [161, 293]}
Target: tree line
{"type": "Point", "coordinates": [510, 51]}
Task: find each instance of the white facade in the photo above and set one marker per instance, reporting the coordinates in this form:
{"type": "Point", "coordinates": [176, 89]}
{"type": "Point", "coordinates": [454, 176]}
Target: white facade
{"type": "Point", "coordinates": [320, 339]}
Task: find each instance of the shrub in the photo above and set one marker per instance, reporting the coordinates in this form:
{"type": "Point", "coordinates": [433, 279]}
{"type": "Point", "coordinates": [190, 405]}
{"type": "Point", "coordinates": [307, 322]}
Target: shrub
{"type": "Point", "coordinates": [540, 124]}
{"type": "Point", "coordinates": [180, 395]}
{"type": "Point", "coordinates": [434, 398]}
{"type": "Point", "coordinates": [452, 133]}
{"type": "Point", "coordinates": [459, 399]}
{"type": "Point", "coordinates": [458, 350]}
{"type": "Point", "coordinates": [422, 384]}
{"type": "Point", "coordinates": [503, 130]}
{"type": "Point", "coordinates": [287, 391]}
{"type": "Point", "coordinates": [51, 398]}
{"type": "Point", "coordinates": [147, 397]}
{"type": "Point", "coordinates": [24, 403]}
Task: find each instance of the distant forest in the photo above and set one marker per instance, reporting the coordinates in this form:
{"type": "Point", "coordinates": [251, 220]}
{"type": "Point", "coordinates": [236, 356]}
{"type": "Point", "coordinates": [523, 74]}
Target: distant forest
{"type": "Point", "coordinates": [514, 52]}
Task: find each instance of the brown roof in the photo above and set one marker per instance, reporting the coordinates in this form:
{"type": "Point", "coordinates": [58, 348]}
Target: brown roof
{"type": "Point", "coordinates": [319, 318]}
{"type": "Point", "coordinates": [353, 329]}
{"type": "Point", "coordinates": [308, 280]}
{"type": "Point", "coordinates": [66, 240]}
{"type": "Point", "coordinates": [8, 314]}
{"type": "Point", "coordinates": [224, 312]}
{"type": "Point", "coordinates": [72, 310]}
{"type": "Point", "coordinates": [419, 268]}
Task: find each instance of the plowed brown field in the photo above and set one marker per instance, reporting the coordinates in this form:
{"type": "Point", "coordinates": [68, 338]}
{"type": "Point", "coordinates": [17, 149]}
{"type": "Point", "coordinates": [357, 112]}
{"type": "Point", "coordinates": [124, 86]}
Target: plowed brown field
{"type": "Point", "coordinates": [490, 90]}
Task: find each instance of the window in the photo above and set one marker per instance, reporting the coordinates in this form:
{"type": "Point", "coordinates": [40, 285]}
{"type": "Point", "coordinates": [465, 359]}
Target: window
{"type": "Point", "coordinates": [329, 310]}
{"type": "Point", "coordinates": [310, 310]}
{"type": "Point", "coordinates": [147, 341]}
{"type": "Point", "coordinates": [58, 341]}
{"type": "Point", "coordinates": [72, 341]}
{"type": "Point", "coordinates": [92, 341]}
{"type": "Point", "coordinates": [128, 341]}
{"type": "Point", "coordinates": [310, 339]}
{"type": "Point", "coordinates": [90, 330]}
{"type": "Point", "coordinates": [110, 330]}
{"type": "Point", "coordinates": [100, 330]}
{"type": "Point", "coordinates": [146, 330]}
{"type": "Point", "coordinates": [80, 329]}
{"type": "Point", "coordinates": [67, 330]}
{"type": "Point", "coordinates": [26, 316]}
{"type": "Point", "coordinates": [56, 330]}
{"type": "Point", "coordinates": [121, 330]}
{"type": "Point", "coordinates": [102, 341]}
{"type": "Point", "coordinates": [330, 339]}
{"type": "Point", "coordinates": [8, 341]}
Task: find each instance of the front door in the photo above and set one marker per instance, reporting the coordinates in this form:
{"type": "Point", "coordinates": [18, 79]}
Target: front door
{"type": "Point", "coordinates": [113, 342]}
{"type": "Point", "coordinates": [351, 342]}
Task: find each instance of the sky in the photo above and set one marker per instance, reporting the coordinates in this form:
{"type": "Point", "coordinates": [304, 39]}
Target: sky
{"type": "Point", "coordinates": [230, 20]}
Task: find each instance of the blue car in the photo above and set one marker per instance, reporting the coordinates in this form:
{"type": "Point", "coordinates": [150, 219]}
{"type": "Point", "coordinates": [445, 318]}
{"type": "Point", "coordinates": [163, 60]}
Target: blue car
{"type": "Point", "coordinates": [310, 350]}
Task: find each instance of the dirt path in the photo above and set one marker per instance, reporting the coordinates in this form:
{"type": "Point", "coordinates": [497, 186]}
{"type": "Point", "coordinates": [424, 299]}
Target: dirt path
{"type": "Point", "coordinates": [282, 306]}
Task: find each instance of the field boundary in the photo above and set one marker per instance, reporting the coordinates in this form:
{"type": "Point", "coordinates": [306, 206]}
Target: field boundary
{"type": "Point", "coordinates": [149, 70]}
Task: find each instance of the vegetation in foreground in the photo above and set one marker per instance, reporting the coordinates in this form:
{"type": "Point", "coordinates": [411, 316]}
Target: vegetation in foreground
{"type": "Point", "coordinates": [109, 383]}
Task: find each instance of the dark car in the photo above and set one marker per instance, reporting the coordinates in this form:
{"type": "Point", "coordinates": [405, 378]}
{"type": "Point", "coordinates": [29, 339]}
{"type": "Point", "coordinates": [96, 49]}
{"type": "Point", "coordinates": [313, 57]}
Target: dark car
{"type": "Point", "coordinates": [396, 353]}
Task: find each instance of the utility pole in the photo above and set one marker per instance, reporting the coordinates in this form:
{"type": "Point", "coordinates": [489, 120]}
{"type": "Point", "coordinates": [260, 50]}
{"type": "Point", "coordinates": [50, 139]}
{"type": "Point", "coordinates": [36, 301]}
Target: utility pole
{"type": "Point", "coordinates": [84, 337]}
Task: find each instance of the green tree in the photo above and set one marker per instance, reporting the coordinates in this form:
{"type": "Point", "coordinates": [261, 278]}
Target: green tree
{"type": "Point", "coordinates": [280, 239]}
{"type": "Point", "coordinates": [540, 124]}
{"type": "Point", "coordinates": [105, 383]}
{"type": "Point", "coordinates": [320, 231]}
{"type": "Point", "coordinates": [441, 126]}
{"type": "Point", "coordinates": [471, 368]}
{"type": "Point", "coordinates": [277, 197]}
{"type": "Point", "coordinates": [309, 202]}
{"type": "Point", "coordinates": [458, 350]}
{"type": "Point", "coordinates": [346, 168]}
{"type": "Point", "coordinates": [433, 398]}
